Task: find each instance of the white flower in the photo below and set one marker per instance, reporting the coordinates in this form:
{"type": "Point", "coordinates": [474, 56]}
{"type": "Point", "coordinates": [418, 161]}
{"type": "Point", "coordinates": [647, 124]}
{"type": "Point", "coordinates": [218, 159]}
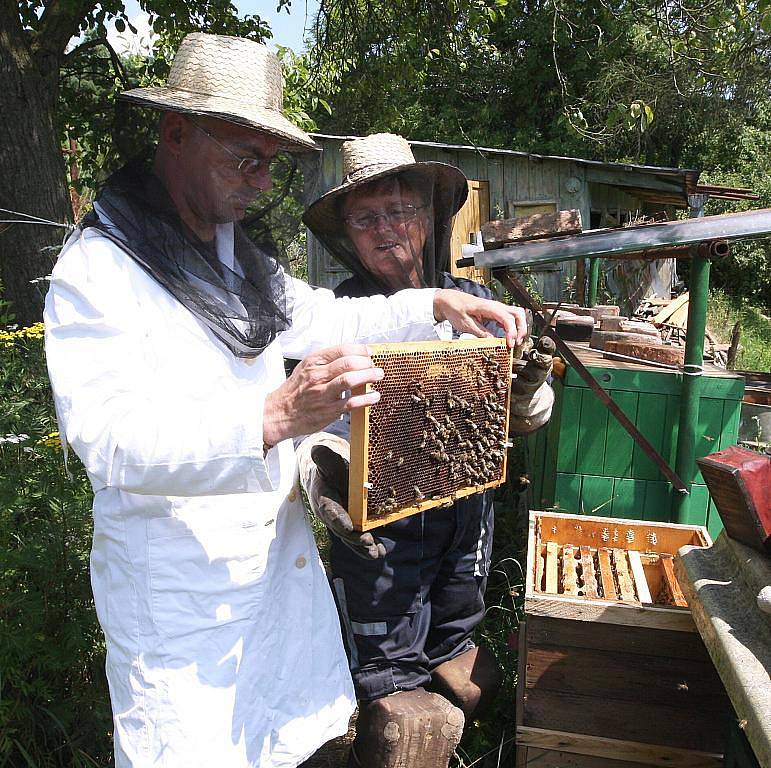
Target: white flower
{"type": "Point", "coordinates": [11, 438]}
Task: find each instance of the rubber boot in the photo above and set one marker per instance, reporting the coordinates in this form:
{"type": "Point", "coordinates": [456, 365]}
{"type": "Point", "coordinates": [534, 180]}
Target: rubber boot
{"type": "Point", "coordinates": [409, 729]}
{"type": "Point", "coordinates": [470, 681]}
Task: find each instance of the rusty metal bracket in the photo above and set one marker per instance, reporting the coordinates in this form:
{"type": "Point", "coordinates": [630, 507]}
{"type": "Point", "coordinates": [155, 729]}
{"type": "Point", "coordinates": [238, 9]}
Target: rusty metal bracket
{"type": "Point", "coordinates": [520, 294]}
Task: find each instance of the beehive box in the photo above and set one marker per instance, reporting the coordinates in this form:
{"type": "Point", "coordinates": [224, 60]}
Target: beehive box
{"type": "Point", "coordinates": [612, 671]}
{"type": "Point", "coordinates": [438, 433]}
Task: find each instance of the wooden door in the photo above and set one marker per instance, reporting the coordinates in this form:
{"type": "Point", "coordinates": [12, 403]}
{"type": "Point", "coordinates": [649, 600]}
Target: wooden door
{"type": "Point", "coordinates": [468, 221]}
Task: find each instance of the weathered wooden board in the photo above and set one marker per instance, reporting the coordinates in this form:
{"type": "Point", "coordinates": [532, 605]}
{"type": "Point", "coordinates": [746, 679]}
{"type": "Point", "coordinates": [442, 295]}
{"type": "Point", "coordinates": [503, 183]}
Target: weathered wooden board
{"type": "Point", "coordinates": [587, 573]}
{"type": "Point", "coordinates": [571, 750]}
{"type": "Point", "coordinates": [539, 225]}
{"type": "Point", "coordinates": [638, 574]}
{"type": "Point", "coordinates": [670, 581]}
{"type": "Point", "coordinates": [569, 575]}
{"type": "Point", "coordinates": [552, 567]}
{"type": "Point", "coordinates": [674, 645]}
{"type": "Point", "coordinates": [633, 721]}
{"type": "Point", "coordinates": [625, 583]}
{"type": "Point", "coordinates": [616, 675]}
{"type": "Point", "coordinates": [606, 575]}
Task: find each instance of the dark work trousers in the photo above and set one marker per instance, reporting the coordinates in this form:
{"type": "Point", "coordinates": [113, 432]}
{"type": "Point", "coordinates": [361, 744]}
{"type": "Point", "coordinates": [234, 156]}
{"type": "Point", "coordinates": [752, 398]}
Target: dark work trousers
{"type": "Point", "coordinates": [404, 615]}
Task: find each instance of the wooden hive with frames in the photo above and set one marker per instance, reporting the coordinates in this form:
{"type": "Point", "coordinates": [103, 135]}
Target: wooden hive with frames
{"type": "Point", "coordinates": [438, 433]}
{"type": "Point", "coordinates": [612, 671]}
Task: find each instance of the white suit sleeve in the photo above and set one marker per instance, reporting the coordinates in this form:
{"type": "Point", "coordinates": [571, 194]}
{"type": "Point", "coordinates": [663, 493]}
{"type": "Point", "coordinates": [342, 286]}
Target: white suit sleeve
{"type": "Point", "coordinates": [321, 320]}
{"type": "Point", "coordinates": [137, 427]}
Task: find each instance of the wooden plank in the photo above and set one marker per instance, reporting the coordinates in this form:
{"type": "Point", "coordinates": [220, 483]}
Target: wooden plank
{"type": "Point", "coordinates": [651, 424]}
{"type": "Point", "coordinates": [539, 225]}
{"type": "Point", "coordinates": [672, 586]}
{"type": "Point", "coordinates": [658, 501]}
{"type": "Point", "coordinates": [640, 582]}
{"type": "Point", "coordinates": [685, 647]}
{"type": "Point", "coordinates": [569, 429]}
{"type": "Point", "coordinates": [628, 497]}
{"type": "Point", "coordinates": [552, 758]}
{"type": "Point", "coordinates": [619, 445]}
{"type": "Point", "coordinates": [567, 492]}
{"type": "Point", "coordinates": [540, 569]}
{"type": "Point", "coordinates": [591, 436]}
{"type": "Point", "coordinates": [625, 585]}
{"type": "Point", "coordinates": [587, 573]}
{"type": "Point", "coordinates": [618, 675]}
{"type": "Point", "coordinates": [569, 574]}
{"type": "Point", "coordinates": [606, 574]}
{"type": "Point", "coordinates": [633, 752]}
{"type": "Point", "coordinates": [552, 572]}
{"type": "Point", "coordinates": [627, 720]}
{"type": "Point", "coordinates": [666, 312]}
{"type": "Point", "coordinates": [598, 530]}
{"type": "Point", "coordinates": [630, 614]}
{"type": "Point", "coordinates": [597, 495]}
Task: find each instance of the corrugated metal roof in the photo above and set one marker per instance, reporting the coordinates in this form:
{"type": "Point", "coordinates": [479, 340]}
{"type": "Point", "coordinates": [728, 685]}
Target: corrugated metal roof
{"type": "Point", "coordinates": [686, 178]}
{"type": "Point", "coordinates": [659, 170]}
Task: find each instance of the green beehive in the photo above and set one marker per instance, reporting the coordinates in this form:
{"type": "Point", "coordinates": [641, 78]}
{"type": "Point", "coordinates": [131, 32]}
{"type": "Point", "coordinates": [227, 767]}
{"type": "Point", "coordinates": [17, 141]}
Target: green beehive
{"type": "Point", "coordinates": [584, 462]}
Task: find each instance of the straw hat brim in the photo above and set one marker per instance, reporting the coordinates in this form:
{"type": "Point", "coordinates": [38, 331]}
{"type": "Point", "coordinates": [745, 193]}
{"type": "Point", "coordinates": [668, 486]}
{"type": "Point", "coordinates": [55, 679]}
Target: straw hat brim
{"type": "Point", "coordinates": [450, 193]}
{"type": "Point", "coordinates": [269, 121]}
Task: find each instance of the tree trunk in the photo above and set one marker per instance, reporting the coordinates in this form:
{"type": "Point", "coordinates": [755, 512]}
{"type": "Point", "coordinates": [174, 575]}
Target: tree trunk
{"type": "Point", "coordinates": [32, 170]}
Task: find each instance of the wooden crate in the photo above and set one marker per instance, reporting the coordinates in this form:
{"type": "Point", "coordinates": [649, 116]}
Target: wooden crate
{"type": "Point", "coordinates": [612, 671]}
{"type": "Point", "coordinates": [438, 433]}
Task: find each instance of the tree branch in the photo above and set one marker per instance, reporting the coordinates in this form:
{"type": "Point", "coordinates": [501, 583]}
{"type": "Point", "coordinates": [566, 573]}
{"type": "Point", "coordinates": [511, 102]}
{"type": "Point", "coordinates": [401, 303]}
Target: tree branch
{"type": "Point", "coordinates": [117, 65]}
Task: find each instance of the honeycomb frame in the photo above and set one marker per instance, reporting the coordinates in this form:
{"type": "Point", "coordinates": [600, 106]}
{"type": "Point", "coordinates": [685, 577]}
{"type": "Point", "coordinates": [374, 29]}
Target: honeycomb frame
{"type": "Point", "coordinates": [439, 432]}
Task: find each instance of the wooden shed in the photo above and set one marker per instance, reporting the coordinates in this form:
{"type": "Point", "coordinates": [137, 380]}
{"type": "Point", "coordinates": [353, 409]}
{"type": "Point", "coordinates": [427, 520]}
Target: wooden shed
{"type": "Point", "coordinates": [505, 183]}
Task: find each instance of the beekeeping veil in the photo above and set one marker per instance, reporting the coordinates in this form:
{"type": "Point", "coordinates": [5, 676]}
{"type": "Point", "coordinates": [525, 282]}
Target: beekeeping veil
{"type": "Point", "coordinates": [390, 221]}
{"type": "Point", "coordinates": [238, 291]}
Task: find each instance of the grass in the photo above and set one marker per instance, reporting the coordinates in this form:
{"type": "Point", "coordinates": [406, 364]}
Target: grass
{"type": "Point", "coordinates": [723, 312]}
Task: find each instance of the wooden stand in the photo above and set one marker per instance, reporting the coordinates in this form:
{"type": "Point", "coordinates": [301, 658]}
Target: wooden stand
{"type": "Point", "coordinates": [611, 669]}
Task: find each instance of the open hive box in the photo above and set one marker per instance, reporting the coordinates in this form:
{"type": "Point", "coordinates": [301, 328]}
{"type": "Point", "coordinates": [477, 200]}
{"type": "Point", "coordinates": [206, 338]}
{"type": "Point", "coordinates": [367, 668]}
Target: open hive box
{"type": "Point", "coordinates": [438, 433]}
{"type": "Point", "coordinates": [612, 671]}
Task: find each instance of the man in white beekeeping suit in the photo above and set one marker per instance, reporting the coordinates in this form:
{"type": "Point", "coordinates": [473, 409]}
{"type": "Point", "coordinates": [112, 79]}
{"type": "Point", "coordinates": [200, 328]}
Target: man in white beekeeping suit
{"type": "Point", "coordinates": [166, 329]}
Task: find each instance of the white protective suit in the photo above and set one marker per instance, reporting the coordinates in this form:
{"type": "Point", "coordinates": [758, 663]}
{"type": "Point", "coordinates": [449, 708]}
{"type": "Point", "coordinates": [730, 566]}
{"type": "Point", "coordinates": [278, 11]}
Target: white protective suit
{"type": "Point", "coordinates": [223, 643]}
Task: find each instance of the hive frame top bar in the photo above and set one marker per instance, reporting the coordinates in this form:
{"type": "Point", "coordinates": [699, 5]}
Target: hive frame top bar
{"type": "Point", "coordinates": [433, 346]}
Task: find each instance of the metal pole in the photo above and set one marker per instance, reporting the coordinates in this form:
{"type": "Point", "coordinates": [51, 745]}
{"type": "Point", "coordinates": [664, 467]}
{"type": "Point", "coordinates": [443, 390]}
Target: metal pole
{"type": "Point", "coordinates": [685, 463]}
{"type": "Point", "coordinates": [594, 280]}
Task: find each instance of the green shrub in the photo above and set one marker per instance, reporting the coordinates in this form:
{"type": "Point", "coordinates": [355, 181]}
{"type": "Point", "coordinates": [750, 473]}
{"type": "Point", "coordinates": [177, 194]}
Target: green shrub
{"type": "Point", "coordinates": [54, 705]}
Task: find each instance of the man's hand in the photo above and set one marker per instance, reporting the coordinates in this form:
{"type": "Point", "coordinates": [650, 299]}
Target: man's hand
{"type": "Point", "coordinates": [468, 314]}
{"type": "Point", "coordinates": [315, 394]}
{"type": "Point", "coordinates": [328, 497]}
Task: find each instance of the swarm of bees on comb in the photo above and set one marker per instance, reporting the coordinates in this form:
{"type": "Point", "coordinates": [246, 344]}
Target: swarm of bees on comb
{"type": "Point", "coordinates": [439, 432]}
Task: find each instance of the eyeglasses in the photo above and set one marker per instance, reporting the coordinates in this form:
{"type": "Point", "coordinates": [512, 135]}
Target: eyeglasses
{"type": "Point", "coordinates": [249, 166]}
{"type": "Point", "coordinates": [397, 214]}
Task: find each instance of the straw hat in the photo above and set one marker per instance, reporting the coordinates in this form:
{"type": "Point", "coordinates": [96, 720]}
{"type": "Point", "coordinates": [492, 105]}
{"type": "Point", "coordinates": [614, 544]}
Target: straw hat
{"type": "Point", "coordinates": [230, 78]}
{"type": "Point", "coordinates": [377, 156]}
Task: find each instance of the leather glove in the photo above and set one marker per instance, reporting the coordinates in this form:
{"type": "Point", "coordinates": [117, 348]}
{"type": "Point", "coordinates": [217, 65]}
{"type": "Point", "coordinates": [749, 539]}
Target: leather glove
{"type": "Point", "coordinates": [328, 496]}
{"type": "Point", "coordinates": [531, 396]}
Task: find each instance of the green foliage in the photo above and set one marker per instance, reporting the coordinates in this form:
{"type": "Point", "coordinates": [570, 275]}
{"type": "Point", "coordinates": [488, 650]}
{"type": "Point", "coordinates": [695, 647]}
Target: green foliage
{"type": "Point", "coordinates": [755, 346]}
{"type": "Point", "coordinates": [54, 705]}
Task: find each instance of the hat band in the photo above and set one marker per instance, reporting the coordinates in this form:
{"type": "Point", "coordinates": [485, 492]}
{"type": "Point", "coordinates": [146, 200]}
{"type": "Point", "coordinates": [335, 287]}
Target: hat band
{"type": "Point", "coordinates": [371, 170]}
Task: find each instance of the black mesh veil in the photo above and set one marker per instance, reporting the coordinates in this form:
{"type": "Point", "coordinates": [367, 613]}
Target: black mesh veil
{"type": "Point", "coordinates": [245, 305]}
{"type": "Point", "coordinates": [394, 231]}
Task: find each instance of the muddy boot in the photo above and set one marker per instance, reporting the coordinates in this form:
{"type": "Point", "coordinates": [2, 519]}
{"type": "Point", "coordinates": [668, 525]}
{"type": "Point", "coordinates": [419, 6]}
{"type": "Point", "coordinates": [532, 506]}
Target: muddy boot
{"type": "Point", "coordinates": [470, 681]}
{"type": "Point", "coordinates": [410, 729]}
